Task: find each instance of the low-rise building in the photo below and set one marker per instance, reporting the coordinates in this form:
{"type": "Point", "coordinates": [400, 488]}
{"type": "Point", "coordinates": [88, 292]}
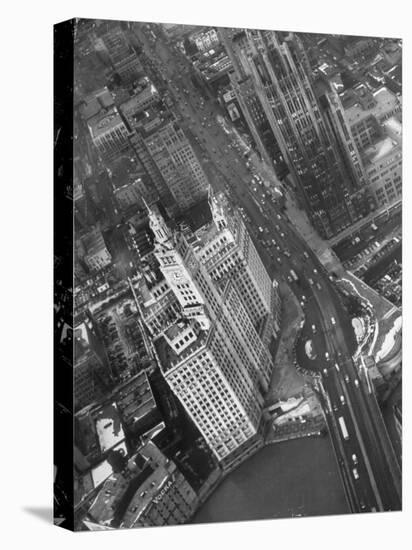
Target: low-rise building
{"type": "Point", "coordinates": [97, 255]}
{"type": "Point", "coordinates": [136, 404]}
{"type": "Point", "coordinates": [151, 491]}
{"type": "Point", "coordinates": [205, 39]}
{"type": "Point", "coordinates": [365, 111]}
{"type": "Point", "coordinates": [146, 95]}
{"type": "Point", "coordinates": [90, 374]}
{"type": "Point", "coordinates": [383, 165]}
{"type": "Point", "coordinates": [107, 130]}
{"type": "Point", "coordinates": [133, 193]}
{"type": "Point", "coordinates": [109, 133]}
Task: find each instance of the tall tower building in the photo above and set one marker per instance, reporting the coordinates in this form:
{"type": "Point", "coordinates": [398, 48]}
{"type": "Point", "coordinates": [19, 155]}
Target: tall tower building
{"type": "Point", "coordinates": [298, 110]}
{"type": "Point", "coordinates": [236, 43]}
{"type": "Point", "coordinates": [227, 251]}
{"type": "Point", "coordinates": [211, 354]}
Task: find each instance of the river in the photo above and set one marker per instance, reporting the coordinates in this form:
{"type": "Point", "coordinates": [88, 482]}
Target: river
{"type": "Point", "coordinates": [298, 477]}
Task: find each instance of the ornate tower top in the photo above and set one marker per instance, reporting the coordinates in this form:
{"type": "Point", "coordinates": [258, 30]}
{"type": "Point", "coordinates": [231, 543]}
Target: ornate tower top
{"type": "Point", "coordinates": [157, 224]}
{"type": "Point", "coordinates": [217, 209]}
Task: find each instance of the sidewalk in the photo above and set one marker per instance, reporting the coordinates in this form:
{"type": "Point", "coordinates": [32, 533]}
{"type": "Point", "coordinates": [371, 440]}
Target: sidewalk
{"type": "Point", "coordinates": [364, 221]}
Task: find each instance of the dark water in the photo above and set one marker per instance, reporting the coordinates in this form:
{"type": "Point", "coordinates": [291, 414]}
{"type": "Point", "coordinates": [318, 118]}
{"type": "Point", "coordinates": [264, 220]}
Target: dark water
{"type": "Point", "coordinates": [282, 480]}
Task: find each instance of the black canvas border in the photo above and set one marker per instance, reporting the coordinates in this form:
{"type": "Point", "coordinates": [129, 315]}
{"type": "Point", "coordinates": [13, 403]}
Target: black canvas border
{"type": "Point", "coordinates": [63, 79]}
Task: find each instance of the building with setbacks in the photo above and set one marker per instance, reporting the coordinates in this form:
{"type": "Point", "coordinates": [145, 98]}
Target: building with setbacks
{"type": "Point", "coordinates": [211, 337]}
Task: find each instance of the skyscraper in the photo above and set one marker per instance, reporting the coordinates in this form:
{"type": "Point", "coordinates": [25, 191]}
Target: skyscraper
{"type": "Point", "coordinates": [255, 117]}
{"type": "Point", "coordinates": [211, 354]}
{"type": "Point", "coordinates": [299, 112]}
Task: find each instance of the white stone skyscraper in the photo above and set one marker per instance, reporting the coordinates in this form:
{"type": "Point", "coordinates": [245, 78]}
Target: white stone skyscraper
{"type": "Point", "coordinates": [210, 350]}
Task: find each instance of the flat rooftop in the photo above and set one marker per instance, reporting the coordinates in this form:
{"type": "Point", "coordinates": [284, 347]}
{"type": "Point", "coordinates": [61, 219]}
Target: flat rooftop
{"type": "Point", "coordinates": [95, 103]}
{"type": "Point", "coordinates": [386, 101]}
{"type": "Point", "coordinates": [104, 121]}
{"type": "Point", "coordinates": [169, 358]}
{"type": "Point", "coordinates": [108, 427]}
{"type": "Point", "coordinates": [140, 97]}
{"type": "Point", "coordinates": [380, 149]}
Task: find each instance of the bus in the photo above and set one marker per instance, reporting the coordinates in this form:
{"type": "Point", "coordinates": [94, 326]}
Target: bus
{"type": "Point", "coordinates": [343, 428]}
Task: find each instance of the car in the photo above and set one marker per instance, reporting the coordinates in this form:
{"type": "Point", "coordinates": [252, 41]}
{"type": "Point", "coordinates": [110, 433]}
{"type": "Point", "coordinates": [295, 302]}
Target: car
{"type": "Point", "coordinates": [354, 458]}
{"type": "Point", "coordinates": [342, 399]}
{"type": "Point", "coordinates": [282, 235]}
{"type": "Point", "coordinates": [326, 356]}
{"type": "Point", "coordinates": [355, 473]}
{"type": "Point", "coordinates": [356, 382]}
{"type": "Point", "coordinates": [325, 371]}
{"type": "Point", "coordinates": [287, 253]}
{"type": "Point", "coordinates": [306, 254]}
{"type": "Point", "coordinates": [310, 281]}
{"type": "Point", "coordinates": [304, 298]}
{"type": "Point", "coordinates": [278, 260]}
{"type": "Point", "coordinates": [260, 229]}
{"type": "Point", "coordinates": [333, 321]}
{"type": "Point", "coordinates": [315, 271]}
{"type": "Point", "coordinates": [314, 329]}
{"type": "Point", "coordinates": [279, 217]}
{"type": "Point", "coordinates": [346, 378]}
{"type": "Point", "coordinates": [318, 286]}
{"type": "Point", "coordinates": [290, 279]}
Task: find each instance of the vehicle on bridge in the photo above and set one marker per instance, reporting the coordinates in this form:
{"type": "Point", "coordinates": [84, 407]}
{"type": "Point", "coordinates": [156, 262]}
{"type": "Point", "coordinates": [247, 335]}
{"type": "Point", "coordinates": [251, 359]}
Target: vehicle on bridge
{"type": "Point", "coordinates": [343, 427]}
{"type": "Point", "coordinates": [292, 272]}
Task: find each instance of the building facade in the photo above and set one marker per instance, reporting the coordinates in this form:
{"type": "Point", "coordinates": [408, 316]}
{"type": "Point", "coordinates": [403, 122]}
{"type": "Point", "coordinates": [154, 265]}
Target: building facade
{"type": "Point", "coordinates": [177, 163]}
{"type": "Point", "coordinates": [383, 162]}
{"type": "Point", "coordinates": [97, 255]}
{"type": "Point", "coordinates": [212, 356]}
{"type": "Point", "coordinates": [124, 59]}
{"type": "Point", "coordinates": [296, 109]}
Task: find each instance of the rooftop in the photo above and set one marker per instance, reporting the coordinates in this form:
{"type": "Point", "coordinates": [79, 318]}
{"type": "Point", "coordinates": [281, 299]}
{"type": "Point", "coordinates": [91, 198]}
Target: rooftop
{"type": "Point", "coordinates": [393, 128]}
{"type": "Point", "coordinates": [124, 495]}
{"type": "Point", "coordinates": [135, 398]}
{"type": "Point", "coordinates": [140, 98]}
{"type": "Point", "coordinates": [103, 121]}
{"type": "Point", "coordinates": [169, 359]}
{"type": "Point", "coordinates": [108, 426]}
{"type": "Point", "coordinates": [380, 149]}
{"type": "Point", "coordinates": [385, 102]}
{"type": "Point", "coordinates": [96, 102]}
{"type": "Point", "coordinates": [103, 470]}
